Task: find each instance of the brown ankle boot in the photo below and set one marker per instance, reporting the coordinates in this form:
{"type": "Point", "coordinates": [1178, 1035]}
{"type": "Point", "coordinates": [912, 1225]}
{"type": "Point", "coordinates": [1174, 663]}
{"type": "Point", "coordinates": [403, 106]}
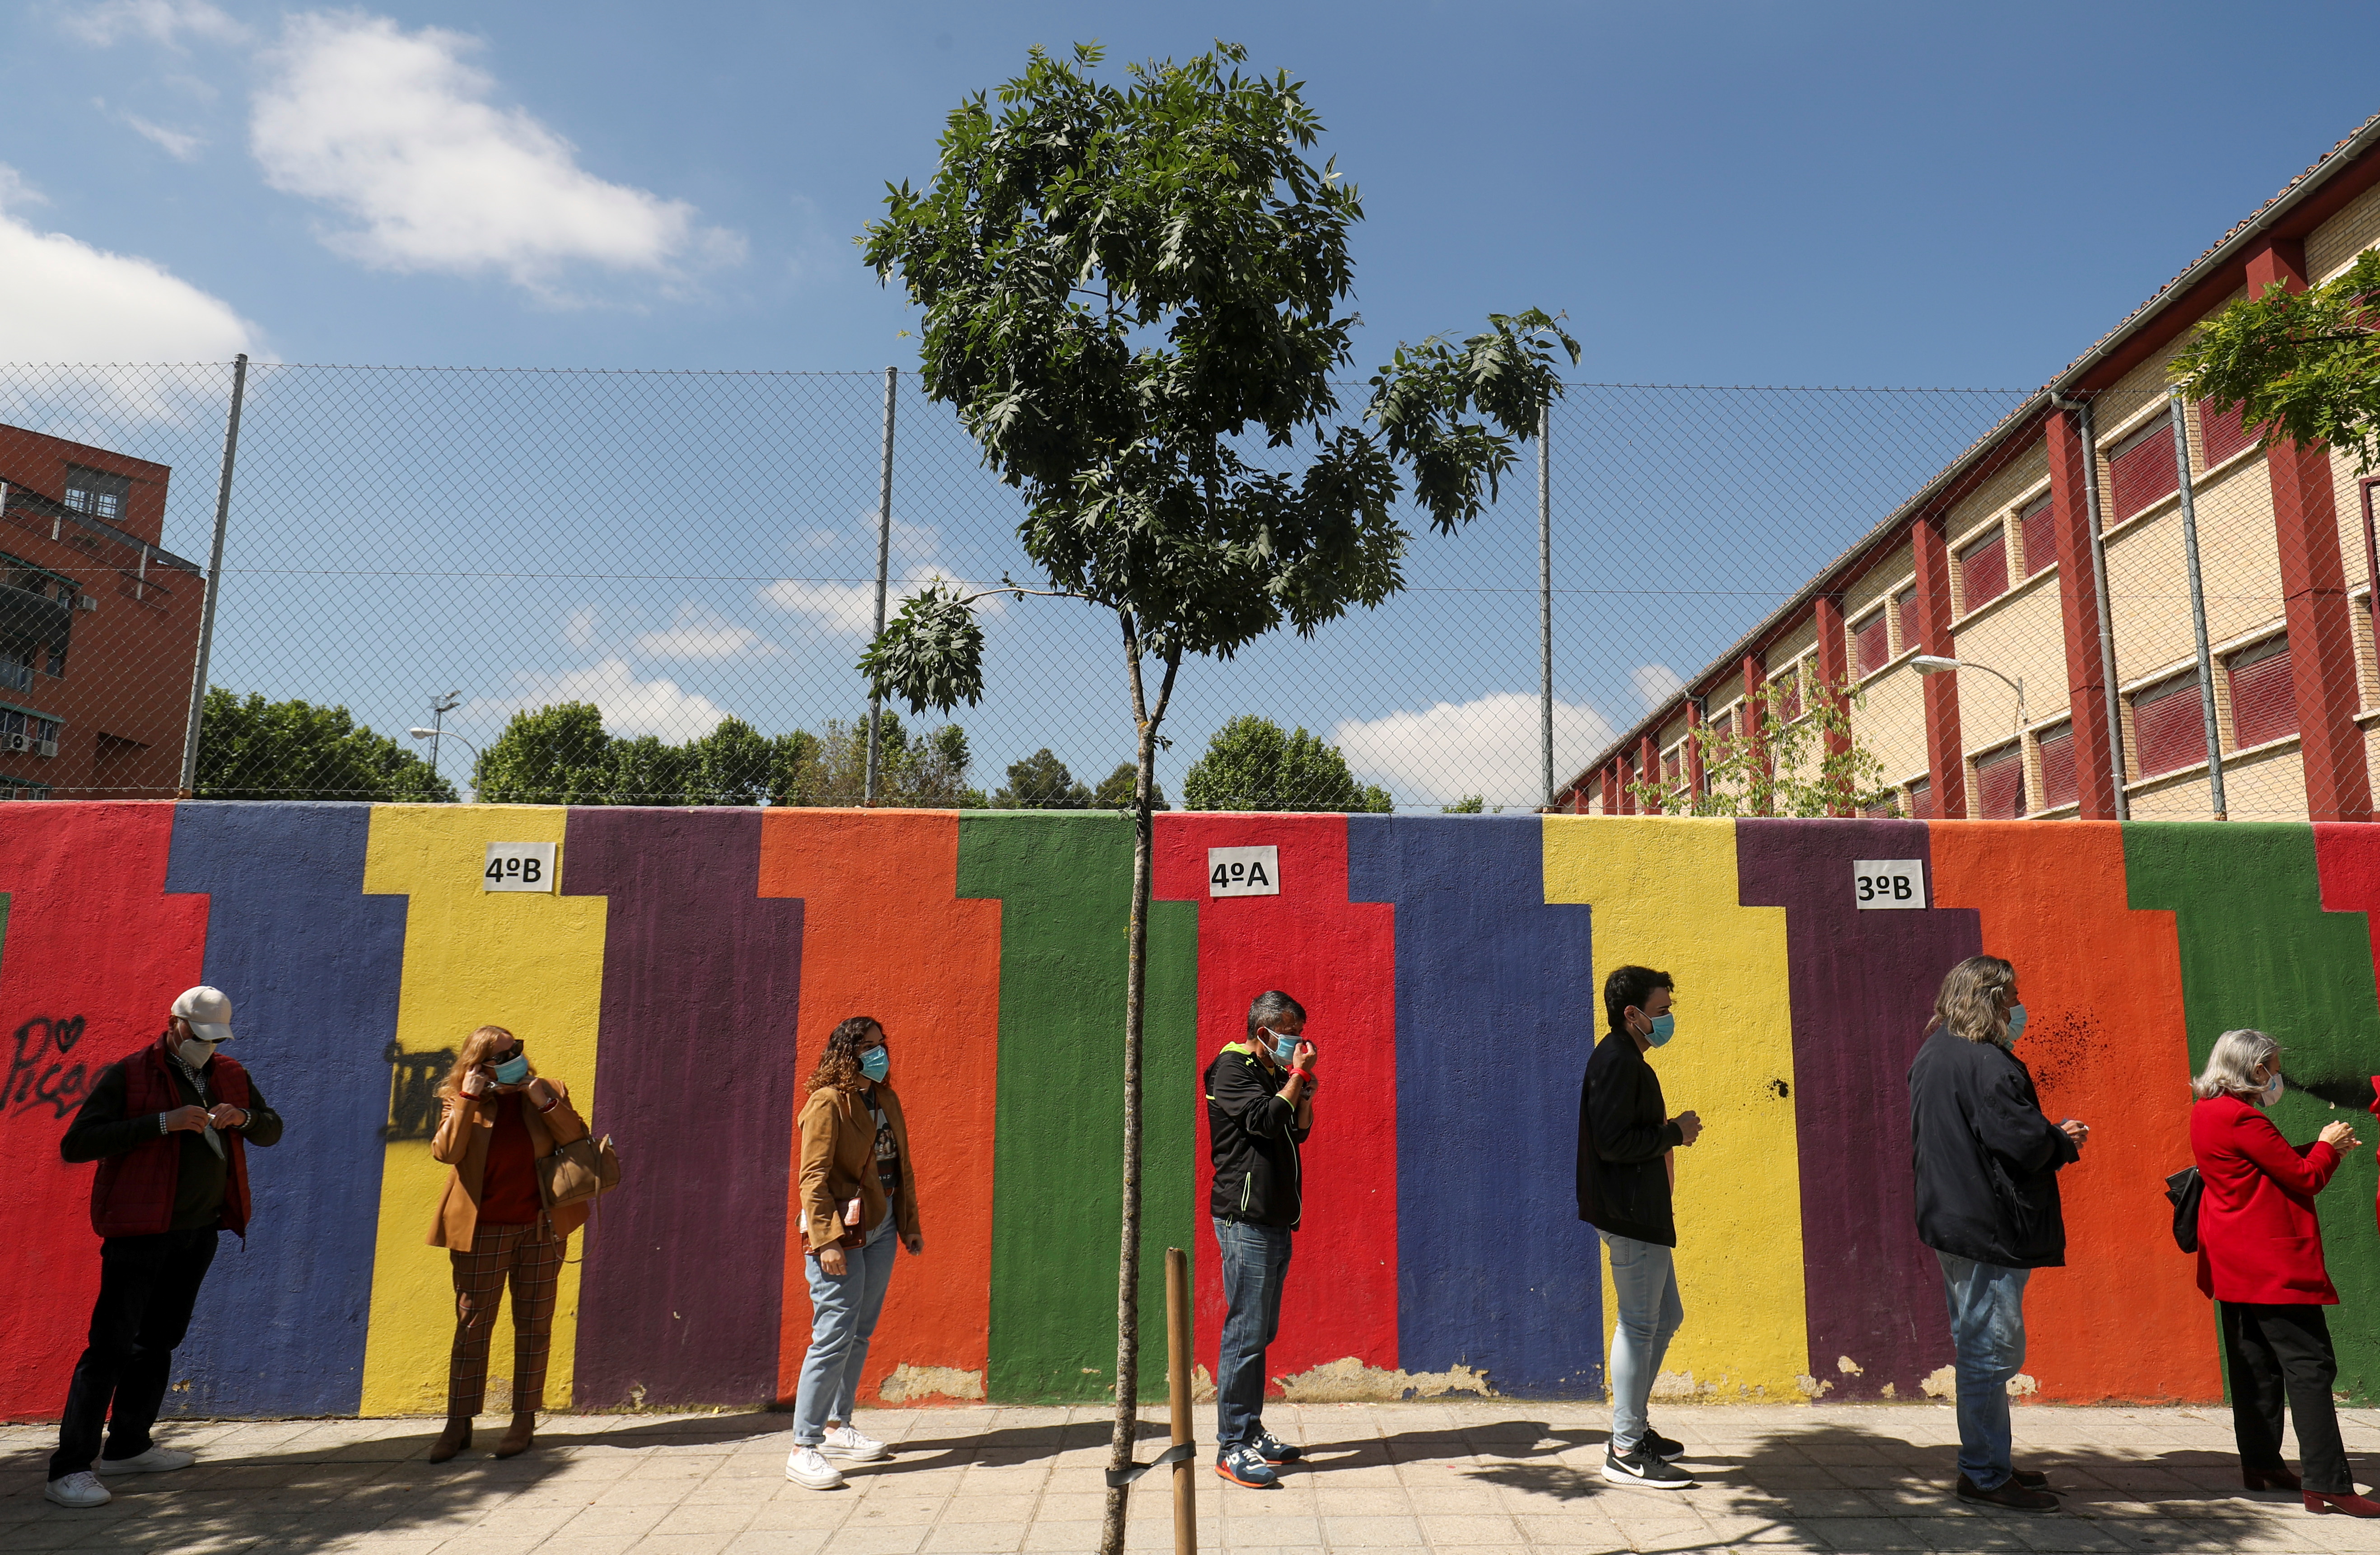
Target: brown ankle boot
{"type": "Point", "coordinates": [517, 1436]}
{"type": "Point", "coordinates": [452, 1440]}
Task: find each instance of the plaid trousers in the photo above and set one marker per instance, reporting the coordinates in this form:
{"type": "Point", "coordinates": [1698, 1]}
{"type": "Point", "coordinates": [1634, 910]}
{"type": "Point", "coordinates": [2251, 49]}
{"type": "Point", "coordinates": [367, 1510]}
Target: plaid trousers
{"type": "Point", "coordinates": [531, 1258]}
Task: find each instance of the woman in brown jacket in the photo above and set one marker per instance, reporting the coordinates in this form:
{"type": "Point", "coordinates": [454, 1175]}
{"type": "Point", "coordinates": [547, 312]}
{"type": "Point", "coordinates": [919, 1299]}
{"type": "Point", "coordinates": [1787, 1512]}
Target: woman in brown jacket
{"type": "Point", "coordinates": [501, 1119]}
{"type": "Point", "coordinates": [857, 1190]}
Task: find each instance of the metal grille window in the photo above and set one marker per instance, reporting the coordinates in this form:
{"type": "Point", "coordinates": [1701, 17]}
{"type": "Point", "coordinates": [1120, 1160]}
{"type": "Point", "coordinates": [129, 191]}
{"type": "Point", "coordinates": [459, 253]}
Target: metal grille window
{"type": "Point", "coordinates": [2058, 777]}
{"type": "Point", "coordinates": [2168, 726]}
{"type": "Point", "coordinates": [1983, 569]}
{"type": "Point", "coordinates": [1873, 638]}
{"type": "Point", "coordinates": [1921, 799]}
{"type": "Point", "coordinates": [2263, 698]}
{"type": "Point", "coordinates": [97, 492]}
{"type": "Point", "coordinates": [2040, 538]}
{"type": "Point", "coordinates": [2000, 784]}
{"type": "Point", "coordinates": [2221, 432]}
{"type": "Point", "coordinates": [1904, 606]}
{"type": "Point", "coordinates": [2140, 471]}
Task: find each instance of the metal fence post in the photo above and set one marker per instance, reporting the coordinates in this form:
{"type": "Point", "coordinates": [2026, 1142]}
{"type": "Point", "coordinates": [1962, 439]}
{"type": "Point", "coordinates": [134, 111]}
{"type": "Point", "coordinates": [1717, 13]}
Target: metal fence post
{"type": "Point", "coordinates": [1546, 598]}
{"type": "Point", "coordinates": [883, 565]}
{"type": "Point", "coordinates": [214, 580]}
{"type": "Point", "coordinates": [2197, 603]}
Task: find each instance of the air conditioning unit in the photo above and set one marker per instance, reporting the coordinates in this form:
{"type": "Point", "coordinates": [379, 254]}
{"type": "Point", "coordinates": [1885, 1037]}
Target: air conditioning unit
{"type": "Point", "coordinates": [19, 744]}
{"type": "Point", "coordinates": [48, 748]}
{"type": "Point", "coordinates": [86, 602]}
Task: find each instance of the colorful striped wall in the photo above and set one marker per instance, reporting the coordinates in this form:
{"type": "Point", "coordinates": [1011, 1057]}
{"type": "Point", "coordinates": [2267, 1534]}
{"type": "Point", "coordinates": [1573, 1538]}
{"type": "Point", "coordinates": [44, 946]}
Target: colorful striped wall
{"type": "Point", "coordinates": [682, 977]}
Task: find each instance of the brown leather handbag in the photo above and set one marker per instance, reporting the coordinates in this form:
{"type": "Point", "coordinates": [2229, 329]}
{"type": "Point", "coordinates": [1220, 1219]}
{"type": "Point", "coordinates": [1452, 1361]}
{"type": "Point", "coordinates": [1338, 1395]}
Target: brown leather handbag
{"type": "Point", "coordinates": [580, 1170]}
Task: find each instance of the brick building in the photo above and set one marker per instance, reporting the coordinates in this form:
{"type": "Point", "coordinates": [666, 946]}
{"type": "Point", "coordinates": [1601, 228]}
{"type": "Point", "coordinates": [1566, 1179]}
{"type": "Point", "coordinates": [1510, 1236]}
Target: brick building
{"type": "Point", "coordinates": [99, 626]}
{"type": "Point", "coordinates": [2052, 553]}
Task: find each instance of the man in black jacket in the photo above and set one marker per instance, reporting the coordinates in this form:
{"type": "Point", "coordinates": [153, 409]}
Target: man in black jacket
{"type": "Point", "coordinates": [1986, 1161]}
{"type": "Point", "coordinates": [1625, 1135]}
{"type": "Point", "coordinates": [1260, 1109]}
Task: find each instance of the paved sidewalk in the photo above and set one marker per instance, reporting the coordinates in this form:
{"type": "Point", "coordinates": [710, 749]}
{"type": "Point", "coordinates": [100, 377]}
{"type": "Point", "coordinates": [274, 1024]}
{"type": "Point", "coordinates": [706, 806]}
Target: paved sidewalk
{"type": "Point", "coordinates": [1498, 1476]}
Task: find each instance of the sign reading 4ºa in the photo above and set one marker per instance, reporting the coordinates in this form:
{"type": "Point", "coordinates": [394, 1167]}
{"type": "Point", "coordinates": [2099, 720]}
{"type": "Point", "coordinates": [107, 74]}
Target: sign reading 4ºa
{"type": "Point", "coordinates": [1244, 872]}
{"type": "Point", "coordinates": [518, 866]}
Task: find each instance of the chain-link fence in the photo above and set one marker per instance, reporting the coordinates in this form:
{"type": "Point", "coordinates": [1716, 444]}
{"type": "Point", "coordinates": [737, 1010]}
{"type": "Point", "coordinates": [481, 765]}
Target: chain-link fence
{"type": "Point", "coordinates": [654, 587]}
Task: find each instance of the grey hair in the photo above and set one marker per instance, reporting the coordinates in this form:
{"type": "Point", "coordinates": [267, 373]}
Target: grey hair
{"type": "Point", "coordinates": [1969, 1002]}
{"type": "Point", "coordinates": [2236, 1056]}
{"type": "Point", "coordinates": [1270, 1006]}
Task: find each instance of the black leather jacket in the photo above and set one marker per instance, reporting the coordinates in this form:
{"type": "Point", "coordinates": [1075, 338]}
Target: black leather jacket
{"type": "Point", "coordinates": [1623, 1132]}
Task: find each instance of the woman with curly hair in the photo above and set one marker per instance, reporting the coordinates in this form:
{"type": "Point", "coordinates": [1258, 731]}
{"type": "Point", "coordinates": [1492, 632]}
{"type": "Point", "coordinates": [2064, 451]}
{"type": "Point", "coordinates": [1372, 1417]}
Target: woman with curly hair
{"type": "Point", "coordinates": [500, 1119]}
{"type": "Point", "coordinates": [857, 1193]}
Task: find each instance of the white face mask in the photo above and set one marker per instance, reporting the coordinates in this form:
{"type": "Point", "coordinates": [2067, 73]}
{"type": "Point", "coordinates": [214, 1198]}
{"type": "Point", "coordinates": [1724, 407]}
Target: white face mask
{"type": "Point", "coordinates": [194, 1052]}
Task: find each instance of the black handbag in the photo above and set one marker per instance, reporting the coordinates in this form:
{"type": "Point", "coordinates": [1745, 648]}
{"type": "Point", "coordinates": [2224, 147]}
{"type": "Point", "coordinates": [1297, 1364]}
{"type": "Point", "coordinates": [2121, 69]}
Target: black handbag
{"type": "Point", "coordinates": [2184, 1188]}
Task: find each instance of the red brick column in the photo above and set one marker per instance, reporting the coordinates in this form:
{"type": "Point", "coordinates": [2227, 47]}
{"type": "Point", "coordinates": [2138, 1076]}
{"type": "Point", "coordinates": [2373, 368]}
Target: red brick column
{"type": "Point", "coordinates": [1946, 753]}
{"type": "Point", "coordinates": [1627, 781]}
{"type": "Point", "coordinates": [1648, 762]}
{"type": "Point", "coordinates": [1833, 673]}
{"type": "Point", "coordinates": [2313, 593]}
{"type": "Point", "coordinates": [1693, 762]}
{"type": "Point", "coordinates": [1748, 720]}
{"type": "Point", "coordinates": [2087, 669]}
{"type": "Point", "coordinates": [1611, 788]}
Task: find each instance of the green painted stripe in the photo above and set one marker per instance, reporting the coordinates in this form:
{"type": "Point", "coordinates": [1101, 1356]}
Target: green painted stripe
{"type": "Point", "coordinates": [1065, 883]}
{"type": "Point", "coordinates": [2258, 950]}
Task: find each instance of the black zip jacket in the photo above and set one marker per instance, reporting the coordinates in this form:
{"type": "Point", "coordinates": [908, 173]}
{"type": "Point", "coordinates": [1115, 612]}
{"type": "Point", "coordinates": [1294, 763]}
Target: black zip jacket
{"type": "Point", "coordinates": [1252, 1136]}
{"type": "Point", "coordinates": [1986, 1158]}
{"type": "Point", "coordinates": [1623, 1132]}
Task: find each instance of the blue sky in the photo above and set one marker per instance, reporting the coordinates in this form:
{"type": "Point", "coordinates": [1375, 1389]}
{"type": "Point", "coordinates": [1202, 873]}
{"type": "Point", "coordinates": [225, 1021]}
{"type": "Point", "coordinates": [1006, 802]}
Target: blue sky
{"type": "Point", "coordinates": [1716, 194]}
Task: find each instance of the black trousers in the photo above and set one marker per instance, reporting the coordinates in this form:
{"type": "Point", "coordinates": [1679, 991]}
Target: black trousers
{"type": "Point", "coordinates": [2276, 1352]}
{"type": "Point", "coordinates": [147, 1288]}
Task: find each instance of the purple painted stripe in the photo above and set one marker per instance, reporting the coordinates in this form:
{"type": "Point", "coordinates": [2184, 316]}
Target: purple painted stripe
{"type": "Point", "coordinates": [1863, 991]}
{"type": "Point", "coordinates": [694, 1080]}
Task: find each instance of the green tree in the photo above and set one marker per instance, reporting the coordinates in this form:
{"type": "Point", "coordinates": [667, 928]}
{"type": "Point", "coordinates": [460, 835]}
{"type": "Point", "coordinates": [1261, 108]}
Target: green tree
{"type": "Point", "coordinates": [1469, 804]}
{"type": "Point", "coordinates": [249, 748]}
{"type": "Point", "coordinates": [1809, 765]}
{"type": "Point", "coordinates": [2303, 366]}
{"type": "Point", "coordinates": [1042, 782]}
{"type": "Point", "coordinates": [1123, 284]}
{"type": "Point", "coordinates": [1115, 791]}
{"type": "Point", "coordinates": [1251, 765]}
{"type": "Point", "coordinates": [556, 755]}
{"type": "Point", "coordinates": [921, 771]}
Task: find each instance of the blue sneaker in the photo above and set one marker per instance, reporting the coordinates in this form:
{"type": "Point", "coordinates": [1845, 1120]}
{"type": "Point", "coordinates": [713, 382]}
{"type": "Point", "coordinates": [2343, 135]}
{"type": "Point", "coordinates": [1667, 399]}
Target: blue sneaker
{"type": "Point", "coordinates": [1274, 1451]}
{"type": "Point", "coordinates": [1242, 1464]}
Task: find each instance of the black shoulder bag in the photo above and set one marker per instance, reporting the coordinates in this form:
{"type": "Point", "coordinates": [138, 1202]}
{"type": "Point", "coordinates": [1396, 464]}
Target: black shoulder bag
{"type": "Point", "coordinates": [2184, 1188]}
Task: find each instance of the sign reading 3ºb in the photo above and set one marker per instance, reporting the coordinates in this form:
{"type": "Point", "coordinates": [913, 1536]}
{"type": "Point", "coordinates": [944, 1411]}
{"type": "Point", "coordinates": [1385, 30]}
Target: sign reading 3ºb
{"type": "Point", "coordinates": [1888, 882]}
{"type": "Point", "coordinates": [1244, 872]}
{"type": "Point", "coordinates": [518, 866]}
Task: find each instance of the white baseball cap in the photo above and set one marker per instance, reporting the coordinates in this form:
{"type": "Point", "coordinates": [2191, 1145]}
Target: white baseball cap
{"type": "Point", "coordinates": [209, 1012]}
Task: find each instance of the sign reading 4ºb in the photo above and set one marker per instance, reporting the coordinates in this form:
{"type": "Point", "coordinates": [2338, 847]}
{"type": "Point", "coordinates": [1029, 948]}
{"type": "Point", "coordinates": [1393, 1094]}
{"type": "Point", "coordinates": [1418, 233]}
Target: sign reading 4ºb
{"type": "Point", "coordinates": [1244, 872]}
{"type": "Point", "coordinates": [518, 866]}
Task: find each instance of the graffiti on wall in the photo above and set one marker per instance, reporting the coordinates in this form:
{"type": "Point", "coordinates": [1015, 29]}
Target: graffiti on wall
{"type": "Point", "coordinates": [43, 1070]}
{"type": "Point", "coordinates": [413, 1080]}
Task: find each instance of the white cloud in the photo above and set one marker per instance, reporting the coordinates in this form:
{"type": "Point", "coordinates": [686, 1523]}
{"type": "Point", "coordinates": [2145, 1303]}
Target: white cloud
{"type": "Point", "coordinates": [839, 607]}
{"type": "Point", "coordinates": [173, 143]}
{"type": "Point", "coordinates": [842, 605]}
{"type": "Point", "coordinates": [63, 300]}
{"type": "Point", "coordinates": [395, 129]}
{"type": "Point", "coordinates": [1491, 747]}
{"type": "Point", "coordinates": [697, 633]}
{"type": "Point", "coordinates": [630, 706]}
{"type": "Point", "coordinates": [1656, 683]}
{"type": "Point", "coordinates": [158, 21]}
{"type": "Point", "coordinates": [578, 630]}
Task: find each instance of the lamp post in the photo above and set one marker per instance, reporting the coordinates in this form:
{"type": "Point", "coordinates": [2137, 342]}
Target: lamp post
{"type": "Point", "coordinates": [439, 708]}
{"type": "Point", "coordinates": [434, 735]}
{"type": "Point", "coordinates": [1934, 663]}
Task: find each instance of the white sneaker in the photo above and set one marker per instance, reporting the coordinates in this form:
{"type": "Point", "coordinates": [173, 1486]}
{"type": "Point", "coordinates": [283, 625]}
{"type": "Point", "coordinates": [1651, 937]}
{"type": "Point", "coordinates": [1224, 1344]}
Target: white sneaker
{"type": "Point", "coordinates": [77, 1490]}
{"type": "Point", "coordinates": [157, 1460]}
{"type": "Point", "coordinates": [854, 1446]}
{"type": "Point", "coordinates": [805, 1467]}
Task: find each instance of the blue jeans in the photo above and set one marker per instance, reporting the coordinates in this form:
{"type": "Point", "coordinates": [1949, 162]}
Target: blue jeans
{"type": "Point", "coordinates": [843, 1319]}
{"type": "Point", "coordinates": [1644, 1280]}
{"type": "Point", "coordinates": [1987, 1330]}
{"type": "Point", "coordinates": [1255, 1265]}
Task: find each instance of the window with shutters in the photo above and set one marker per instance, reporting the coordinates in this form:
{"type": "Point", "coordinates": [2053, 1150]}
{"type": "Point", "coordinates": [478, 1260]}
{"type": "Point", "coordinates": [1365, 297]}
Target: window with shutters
{"type": "Point", "coordinates": [1982, 570]}
{"type": "Point", "coordinates": [2000, 784]}
{"type": "Point", "coordinates": [1672, 765]}
{"type": "Point", "coordinates": [2264, 699]}
{"type": "Point", "coordinates": [2058, 779]}
{"type": "Point", "coordinates": [1921, 799]}
{"type": "Point", "coordinates": [1904, 606]}
{"type": "Point", "coordinates": [1785, 695]}
{"type": "Point", "coordinates": [2040, 538]}
{"type": "Point", "coordinates": [1872, 639]}
{"type": "Point", "coordinates": [2220, 432]}
{"type": "Point", "coordinates": [2168, 726]}
{"type": "Point", "coordinates": [2140, 470]}
{"type": "Point", "coordinates": [1885, 807]}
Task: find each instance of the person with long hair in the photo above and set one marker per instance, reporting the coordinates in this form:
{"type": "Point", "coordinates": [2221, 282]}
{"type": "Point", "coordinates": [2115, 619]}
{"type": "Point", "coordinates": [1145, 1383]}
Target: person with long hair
{"type": "Point", "coordinates": [1986, 1161]}
{"type": "Point", "coordinates": [858, 1197]}
{"type": "Point", "coordinates": [499, 1118]}
{"type": "Point", "coordinates": [2260, 1259]}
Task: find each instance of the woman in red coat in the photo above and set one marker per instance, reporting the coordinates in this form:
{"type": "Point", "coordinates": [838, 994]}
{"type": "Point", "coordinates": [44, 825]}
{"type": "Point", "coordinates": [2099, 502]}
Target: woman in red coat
{"type": "Point", "coordinates": [2260, 1257]}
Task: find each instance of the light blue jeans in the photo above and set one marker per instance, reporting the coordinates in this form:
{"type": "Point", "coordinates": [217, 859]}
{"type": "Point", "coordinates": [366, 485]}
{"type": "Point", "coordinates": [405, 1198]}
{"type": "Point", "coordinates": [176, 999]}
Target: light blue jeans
{"type": "Point", "coordinates": [1256, 1268]}
{"type": "Point", "coordinates": [843, 1319]}
{"type": "Point", "coordinates": [1987, 1330]}
{"type": "Point", "coordinates": [1644, 1280]}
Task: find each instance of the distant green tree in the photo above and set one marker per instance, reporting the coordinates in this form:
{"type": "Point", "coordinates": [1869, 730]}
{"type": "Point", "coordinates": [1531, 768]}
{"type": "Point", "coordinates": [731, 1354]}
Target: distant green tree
{"type": "Point", "coordinates": [923, 770]}
{"type": "Point", "coordinates": [1251, 765]}
{"type": "Point", "coordinates": [1116, 793]}
{"type": "Point", "coordinates": [560, 755]}
{"type": "Point", "coordinates": [1469, 804]}
{"type": "Point", "coordinates": [1042, 782]}
{"type": "Point", "coordinates": [556, 755]}
{"type": "Point", "coordinates": [249, 748]}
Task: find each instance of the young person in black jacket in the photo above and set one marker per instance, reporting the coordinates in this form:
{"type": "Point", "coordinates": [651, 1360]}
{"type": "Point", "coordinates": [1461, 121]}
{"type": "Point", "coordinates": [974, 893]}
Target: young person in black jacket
{"type": "Point", "coordinates": [1260, 1109]}
{"type": "Point", "coordinates": [1625, 1135]}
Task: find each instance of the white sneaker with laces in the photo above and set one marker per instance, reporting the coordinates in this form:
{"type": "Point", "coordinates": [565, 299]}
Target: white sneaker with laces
{"type": "Point", "coordinates": [77, 1491]}
{"type": "Point", "coordinates": [854, 1446]}
{"type": "Point", "coordinates": [805, 1467]}
{"type": "Point", "coordinates": [157, 1460]}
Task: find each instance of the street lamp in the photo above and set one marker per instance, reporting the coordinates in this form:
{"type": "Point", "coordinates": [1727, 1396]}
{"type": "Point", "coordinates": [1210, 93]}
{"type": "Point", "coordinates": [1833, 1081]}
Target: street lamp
{"type": "Point", "coordinates": [436, 734]}
{"type": "Point", "coordinates": [1934, 663]}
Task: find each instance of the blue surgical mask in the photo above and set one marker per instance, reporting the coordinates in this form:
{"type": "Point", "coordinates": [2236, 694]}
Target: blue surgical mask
{"type": "Point", "coordinates": [2016, 1023]}
{"type": "Point", "coordinates": [876, 1063]}
{"type": "Point", "coordinates": [1283, 1048]}
{"type": "Point", "coordinates": [1664, 1027]}
{"type": "Point", "coordinates": [513, 1071]}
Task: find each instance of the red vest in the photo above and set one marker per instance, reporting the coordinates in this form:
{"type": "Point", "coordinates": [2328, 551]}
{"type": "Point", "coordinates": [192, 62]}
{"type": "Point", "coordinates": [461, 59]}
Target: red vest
{"type": "Point", "coordinates": [133, 1194]}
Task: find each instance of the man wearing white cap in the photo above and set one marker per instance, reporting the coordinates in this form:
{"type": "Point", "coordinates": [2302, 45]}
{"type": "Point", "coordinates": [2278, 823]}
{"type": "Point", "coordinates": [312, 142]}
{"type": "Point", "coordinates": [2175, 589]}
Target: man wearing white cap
{"type": "Point", "coordinates": [159, 1202]}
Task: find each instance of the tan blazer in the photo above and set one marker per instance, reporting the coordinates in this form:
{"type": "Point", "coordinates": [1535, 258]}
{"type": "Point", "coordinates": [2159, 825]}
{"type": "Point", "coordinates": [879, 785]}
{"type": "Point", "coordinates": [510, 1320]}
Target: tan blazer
{"type": "Point", "coordinates": [463, 1130]}
{"type": "Point", "coordinates": [839, 1159]}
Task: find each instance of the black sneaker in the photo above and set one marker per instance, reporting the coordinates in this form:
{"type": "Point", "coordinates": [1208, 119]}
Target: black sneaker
{"type": "Point", "coordinates": [1274, 1451]}
{"type": "Point", "coordinates": [2008, 1494]}
{"type": "Point", "coordinates": [1662, 1447]}
{"type": "Point", "coordinates": [1242, 1464]}
{"type": "Point", "coordinates": [1640, 1467]}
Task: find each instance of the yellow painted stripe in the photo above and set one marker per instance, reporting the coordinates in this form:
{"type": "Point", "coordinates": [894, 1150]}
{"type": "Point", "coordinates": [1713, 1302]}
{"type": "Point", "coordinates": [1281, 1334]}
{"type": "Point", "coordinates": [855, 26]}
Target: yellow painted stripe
{"type": "Point", "coordinates": [1664, 895]}
{"type": "Point", "coordinates": [532, 962]}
